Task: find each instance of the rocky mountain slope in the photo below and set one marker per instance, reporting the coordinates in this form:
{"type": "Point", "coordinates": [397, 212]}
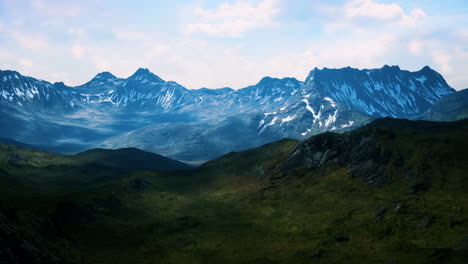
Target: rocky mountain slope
{"type": "Point", "coordinates": [451, 107]}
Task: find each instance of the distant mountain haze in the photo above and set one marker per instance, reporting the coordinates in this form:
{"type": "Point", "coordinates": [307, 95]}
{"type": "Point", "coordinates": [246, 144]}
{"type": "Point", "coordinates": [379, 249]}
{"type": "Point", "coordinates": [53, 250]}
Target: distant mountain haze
{"type": "Point", "coordinates": [152, 114]}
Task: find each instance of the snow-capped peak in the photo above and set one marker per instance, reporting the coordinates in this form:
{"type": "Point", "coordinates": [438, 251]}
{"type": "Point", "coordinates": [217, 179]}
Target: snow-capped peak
{"type": "Point", "coordinates": [143, 75]}
{"type": "Point", "coordinates": [105, 76]}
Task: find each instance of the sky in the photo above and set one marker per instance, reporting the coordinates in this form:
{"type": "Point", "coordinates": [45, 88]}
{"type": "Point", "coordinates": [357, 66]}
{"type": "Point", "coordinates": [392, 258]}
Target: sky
{"type": "Point", "coordinates": [230, 43]}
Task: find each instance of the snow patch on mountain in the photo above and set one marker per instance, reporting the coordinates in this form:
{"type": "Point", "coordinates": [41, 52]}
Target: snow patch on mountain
{"type": "Point", "coordinates": [311, 110]}
{"type": "Point", "coordinates": [421, 79]}
{"type": "Point", "coordinates": [333, 104]}
{"type": "Point", "coordinates": [288, 119]}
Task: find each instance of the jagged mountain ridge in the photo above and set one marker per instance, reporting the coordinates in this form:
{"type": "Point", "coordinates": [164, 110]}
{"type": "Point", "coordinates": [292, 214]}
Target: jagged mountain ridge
{"type": "Point", "coordinates": [407, 92]}
{"type": "Point", "coordinates": [388, 91]}
{"type": "Point", "coordinates": [117, 108]}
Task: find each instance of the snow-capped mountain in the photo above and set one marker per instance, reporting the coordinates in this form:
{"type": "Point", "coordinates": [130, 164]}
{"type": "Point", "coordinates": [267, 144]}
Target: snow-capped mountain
{"type": "Point", "coordinates": [28, 93]}
{"type": "Point", "coordinates": [146, 111]}
{"type": "Point", "coordinates": [388, 91]}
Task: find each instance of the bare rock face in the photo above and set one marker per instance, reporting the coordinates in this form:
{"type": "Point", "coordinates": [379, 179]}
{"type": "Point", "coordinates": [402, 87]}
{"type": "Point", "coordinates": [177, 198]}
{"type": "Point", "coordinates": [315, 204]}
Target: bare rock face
{"type": "Point", "coordinates": [15, 159]}
{"type": "Point", "coordinates": [358, 152]}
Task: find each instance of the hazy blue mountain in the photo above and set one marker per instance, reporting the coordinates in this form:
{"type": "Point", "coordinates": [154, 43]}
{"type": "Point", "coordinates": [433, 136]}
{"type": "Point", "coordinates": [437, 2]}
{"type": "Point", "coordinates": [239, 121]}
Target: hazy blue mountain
{"type": "Point", "coordinates": [218, 91]}
{"type": "Point", "coordinates": [388, 91]}
{"type": "Point", "coordinates": [450, 108]}
{"type": "Point", "coordinates": [33, 94]}
{"type": "Point", "coordinates": [148, 112]}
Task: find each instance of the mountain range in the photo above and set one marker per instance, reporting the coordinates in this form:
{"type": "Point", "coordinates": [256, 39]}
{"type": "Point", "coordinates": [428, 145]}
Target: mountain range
{"type": "Point", "coordinates": [155, 115]}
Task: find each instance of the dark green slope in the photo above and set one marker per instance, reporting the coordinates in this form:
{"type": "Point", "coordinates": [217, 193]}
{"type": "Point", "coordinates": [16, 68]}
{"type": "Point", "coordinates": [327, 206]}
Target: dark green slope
{"type": "Point", "coordinates": [128, 159]}
{"type": "Point", "coordinates": [42, 176]}
{"type": "Point", "coordinates": [394, 191]}
{"type": "Point", "coordinates": [44, 197]}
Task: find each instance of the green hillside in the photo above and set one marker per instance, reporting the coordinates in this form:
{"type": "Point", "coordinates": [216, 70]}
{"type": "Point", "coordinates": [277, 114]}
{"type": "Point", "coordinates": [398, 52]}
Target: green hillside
{"type": "Point", "coordinates": [394, 191]}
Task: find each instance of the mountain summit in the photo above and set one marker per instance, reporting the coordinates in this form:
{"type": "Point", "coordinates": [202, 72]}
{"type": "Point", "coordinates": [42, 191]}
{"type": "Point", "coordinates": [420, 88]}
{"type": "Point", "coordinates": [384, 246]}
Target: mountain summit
{"type": "Point", "coordinates": [143, 75]}
{"type": "Point", "coordinates": [105, 76]}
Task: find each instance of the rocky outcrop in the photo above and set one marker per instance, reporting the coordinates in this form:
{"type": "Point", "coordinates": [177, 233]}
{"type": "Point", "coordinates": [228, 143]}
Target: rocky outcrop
{"type": "Point", "coordinates": [358, 152]}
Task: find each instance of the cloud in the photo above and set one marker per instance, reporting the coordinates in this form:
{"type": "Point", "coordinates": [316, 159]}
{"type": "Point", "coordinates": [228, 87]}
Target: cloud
{"type": "Point", "coordinates": [371, 13]}
{"type": "Point", "coordinates": [157, 50]}
{"type": "Point", "coordinates": [32, 42]}
{"type": "Point", "coordinates": [77, 51]}
{"type": "Point", "coordinates": [25, 62]}
{"type": "Point", "coordinates": [128, 35]}
{"type": "Point", "coordinates": [77, 31]}
{"type": "Point", "coordinates": [443, 61]}
{"type": "Point", "coordinates": [413, 18]}
{"type": "Point", "coordinates": [101, 63]}
{"type": "Point", "coordinates": [234, 19]}
{"type": "Point", "coordinates": [368, 8]}
{"type": "Point", "coordinates": [57, 8]}
{"type": "Point", "coordinates": [6, 54]}
{"type": "Point", "coordinates": [416, 46]}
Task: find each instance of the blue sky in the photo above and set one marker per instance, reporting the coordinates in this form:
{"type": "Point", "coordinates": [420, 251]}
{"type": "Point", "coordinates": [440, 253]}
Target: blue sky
{"type": "Point", "coordinates": [230, 43]}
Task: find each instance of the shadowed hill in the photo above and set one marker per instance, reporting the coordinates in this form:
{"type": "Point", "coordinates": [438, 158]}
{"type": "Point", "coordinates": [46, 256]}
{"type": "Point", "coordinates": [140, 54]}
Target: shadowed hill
{"type": "Point", "coordinates": [129, 159]}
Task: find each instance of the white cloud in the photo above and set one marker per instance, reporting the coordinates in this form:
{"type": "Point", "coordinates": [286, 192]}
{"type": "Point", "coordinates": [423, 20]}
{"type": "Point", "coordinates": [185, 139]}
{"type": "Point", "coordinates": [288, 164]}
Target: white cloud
{"type": "Point", "coordinates": [101, 63]}
{"type": "Point", "coordinates": [5, 54]}
{"type": "Point", "coordinates": [416, 16]}
{"type": "Point", "coordinates": [392, 13]}
{"type": "Point", "coordinates": [33, 42]}
{"type": "Point", "coordinates": [128, 35]}
{"type": "Point", "coordinates": [77, 51]}
{"type": "Point", "coordinates": [463, 34]}
{"type": "Point", "coordinates": [416, 46]}
{"type": "Point", "coordinates": [234, 19]}
{"type": "Point", "coordinates": [157, 50]}
{"type": "Point", "coordinates": [368, 8]}
{"type": "Point", "coordinates": [25, 62]}
{"type": "Point", "coordinates": [77, 31]}
{"type": "Point", "coordinates": [443, 61]}
{"type": "Point", "coordinates": [57, 8]}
